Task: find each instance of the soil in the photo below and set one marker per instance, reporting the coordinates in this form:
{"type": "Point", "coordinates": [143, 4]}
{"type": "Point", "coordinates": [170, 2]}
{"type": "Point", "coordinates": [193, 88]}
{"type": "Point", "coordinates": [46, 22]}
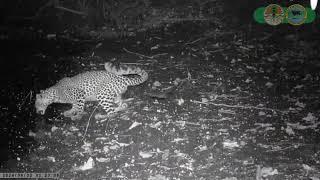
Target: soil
{"type": "Point", "coordinates": [243, 104]}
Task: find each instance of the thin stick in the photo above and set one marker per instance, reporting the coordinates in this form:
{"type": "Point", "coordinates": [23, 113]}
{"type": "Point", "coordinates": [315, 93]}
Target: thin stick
{"type": "Point", "coordinates": [193, 41]}
{"type": "Point", "coordinates": [237, 106]}
{"type": "Point", "coordinates": [25, 99]}
{"type": "Point", "coordinates": [31, 95]}
{"type": "Point", "coordinates": [161, 54]}
{"type": "Point", "coordinates": [85, 133]}
{"type": "Point", "coordinates": [138, 54]}
{"type": "Point", "coordinates": [133, 64]}
{"type": "Point", "coordinates": [218, 50]}
{"type": "Point", "coordinates": [71, 10]}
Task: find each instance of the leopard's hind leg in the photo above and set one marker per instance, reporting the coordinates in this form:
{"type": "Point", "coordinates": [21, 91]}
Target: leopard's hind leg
{"type": "Point", "coordinates": [77, 97]}
{"type": "Point", "coordinates": [106, 98]}
{"type": "Point", "coordinates": [110, 100]}
{"type": "Point", "coordinates": [121, 104]}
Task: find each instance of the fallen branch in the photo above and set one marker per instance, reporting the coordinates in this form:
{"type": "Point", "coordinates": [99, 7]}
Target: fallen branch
{"type": "Point", "coordinates": [85, 133]}
{"type": "Point", "coordinates": [217, 50]}
{"type": "Point", "coordinates": [28, 95]}
{"type": "Point", "coordinates": [56, 4]}
{"type": "Point", "coordinates": [141, 55]}
{"type": "Point", "coordinates": [71, 10]}
{"type": "Point", "coordinates": [139, 64]}
{"type": "Point", "coordinates": [238, 106]}
{"type": "Point", "coordinates": [138, 54]}
{"type": "Point", "coordinates": [161, 54]}
{"type": "Point", "coordinates": [188, 43]}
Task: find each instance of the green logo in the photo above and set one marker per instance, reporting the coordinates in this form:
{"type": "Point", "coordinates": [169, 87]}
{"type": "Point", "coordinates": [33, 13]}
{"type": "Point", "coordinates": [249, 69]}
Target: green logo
{"type": "Point", "coordinates": [273, 14]}
{"type": "Point", "coordinates": [294, 15]}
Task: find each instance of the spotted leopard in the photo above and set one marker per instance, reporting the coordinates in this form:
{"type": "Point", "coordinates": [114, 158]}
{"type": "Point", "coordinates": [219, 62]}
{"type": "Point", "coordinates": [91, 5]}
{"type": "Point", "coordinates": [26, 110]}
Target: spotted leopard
{"type": "Point", "coordinates": [105, 86]}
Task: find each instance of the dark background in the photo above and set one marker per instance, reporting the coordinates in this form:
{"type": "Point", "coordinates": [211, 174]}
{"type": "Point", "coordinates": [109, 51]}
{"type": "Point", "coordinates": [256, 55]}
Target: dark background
{"type": "Point", "coordinates": [31, 60]}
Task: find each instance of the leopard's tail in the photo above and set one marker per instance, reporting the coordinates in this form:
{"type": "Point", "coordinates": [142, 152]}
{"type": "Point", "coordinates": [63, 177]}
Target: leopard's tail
{"type": "Point", "coordinates": [127, 70]}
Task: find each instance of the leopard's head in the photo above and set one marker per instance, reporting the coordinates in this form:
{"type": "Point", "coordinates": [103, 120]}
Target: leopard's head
{"type": "Point", "coordinates": [44, 99]}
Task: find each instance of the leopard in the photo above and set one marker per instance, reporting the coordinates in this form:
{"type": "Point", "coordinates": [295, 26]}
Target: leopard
{"type": "Point", "coordinates": [105, 86]}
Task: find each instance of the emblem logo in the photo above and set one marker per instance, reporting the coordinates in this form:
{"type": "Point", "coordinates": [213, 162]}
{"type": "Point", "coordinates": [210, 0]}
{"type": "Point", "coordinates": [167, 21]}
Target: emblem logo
{"type": "Point", "coordinates": [296, 14]}
{"type": "Point", "coordinates": [273, 14]}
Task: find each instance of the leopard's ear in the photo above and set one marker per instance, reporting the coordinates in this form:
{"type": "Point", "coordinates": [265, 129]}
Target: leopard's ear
{"type": "Point", "coordinates": [38, 96]}
{"type": "Point", "coordinates": [41, 91]}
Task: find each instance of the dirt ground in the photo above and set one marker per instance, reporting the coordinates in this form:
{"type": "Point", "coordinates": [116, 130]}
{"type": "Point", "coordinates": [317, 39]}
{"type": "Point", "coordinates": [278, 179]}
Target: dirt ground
{"type": "Point", "coordinates": [218, 104]}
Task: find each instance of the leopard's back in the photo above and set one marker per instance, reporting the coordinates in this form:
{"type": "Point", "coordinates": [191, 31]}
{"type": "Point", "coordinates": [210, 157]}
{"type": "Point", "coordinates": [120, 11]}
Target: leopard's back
{"type": "Point", "coordinates": [90, 81]}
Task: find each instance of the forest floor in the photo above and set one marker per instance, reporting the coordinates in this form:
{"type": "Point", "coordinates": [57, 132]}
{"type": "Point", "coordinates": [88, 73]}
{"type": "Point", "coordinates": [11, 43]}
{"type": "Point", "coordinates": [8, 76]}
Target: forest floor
{"type": "Point", "coordinates": [218, 104]}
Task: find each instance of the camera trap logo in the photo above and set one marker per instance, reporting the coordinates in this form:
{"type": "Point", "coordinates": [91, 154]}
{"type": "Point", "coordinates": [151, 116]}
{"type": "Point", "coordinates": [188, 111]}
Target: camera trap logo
{"type": "Point", "coordinates": [296, 14]}
{"type": "Point", "coordinates": [274, 15]}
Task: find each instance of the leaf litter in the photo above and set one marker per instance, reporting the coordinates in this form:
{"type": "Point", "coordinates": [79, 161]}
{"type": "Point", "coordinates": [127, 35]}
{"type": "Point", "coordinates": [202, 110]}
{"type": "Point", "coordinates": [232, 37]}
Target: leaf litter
{"type": "Point", "coordinates": [241, 128]}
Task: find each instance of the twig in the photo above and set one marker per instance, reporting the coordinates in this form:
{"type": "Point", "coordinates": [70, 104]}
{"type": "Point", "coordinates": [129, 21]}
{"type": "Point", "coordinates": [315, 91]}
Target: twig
{"type": "Point", "coordinates": [141, 55]}
{"type": "Point", "coordinates": [193, 41]}
{"type": "Point", "coordinates": [140, 64]}
{"type": "Point", "coordinates": [71, 10]}
{"type": "Point", "coordinates": [226, 112]}
{"type": "Point", "coordinates": [85, 133]}
{"type": "Point", "coordinates": [161, 54]}
{"type": "Point", "coordinates": [31, 95]}
{"type": "Point", "coordinates": [25, 99]}
{"type": "Point", "coordinates": [56, 4]}
{"type": "Point", "coordinates": [138, 54]}
{"type": "Point", "coordinates": [237, 106]}
{"type": "Point", "coordinates": [217, 50]}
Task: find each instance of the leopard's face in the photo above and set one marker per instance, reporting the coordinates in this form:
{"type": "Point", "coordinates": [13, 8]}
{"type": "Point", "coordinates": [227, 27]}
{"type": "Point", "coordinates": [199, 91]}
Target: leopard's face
{"type": "Point", "coordinates": [43, 100]}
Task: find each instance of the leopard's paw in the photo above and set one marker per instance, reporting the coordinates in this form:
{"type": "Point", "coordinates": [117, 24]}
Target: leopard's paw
{"type": "Point", "coordinates": [74, 114]}
{"type": "Point", "coordinates": [121, 107]}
